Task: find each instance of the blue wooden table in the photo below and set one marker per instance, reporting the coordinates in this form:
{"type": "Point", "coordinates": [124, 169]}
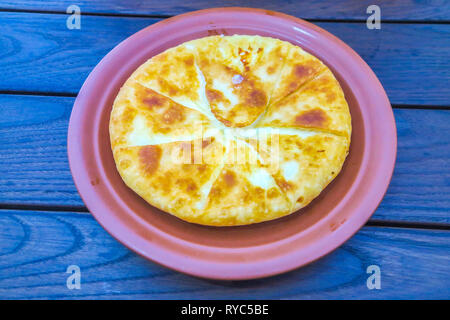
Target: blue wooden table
{"type": "Point", "coordinates": [45, 227]}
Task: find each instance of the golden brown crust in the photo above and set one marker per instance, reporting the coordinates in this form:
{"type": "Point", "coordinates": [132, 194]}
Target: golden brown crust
{"type": "Point", "coordinates": [318, 104]}
{"type": "Point", "coordinates": [230, 130]}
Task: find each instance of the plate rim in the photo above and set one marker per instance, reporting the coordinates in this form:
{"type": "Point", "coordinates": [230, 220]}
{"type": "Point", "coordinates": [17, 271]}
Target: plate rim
{"type": "Point", "coordinates": [90, 195]}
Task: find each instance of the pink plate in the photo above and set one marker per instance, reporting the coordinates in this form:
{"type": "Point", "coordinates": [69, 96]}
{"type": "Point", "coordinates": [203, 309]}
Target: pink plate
{"type": "Point", "coordinates": [234, 252]}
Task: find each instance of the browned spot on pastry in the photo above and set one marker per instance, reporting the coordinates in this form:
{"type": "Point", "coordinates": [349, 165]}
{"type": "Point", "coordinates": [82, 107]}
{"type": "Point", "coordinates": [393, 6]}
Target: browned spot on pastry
{"type": "Point", "coordinates": [207, 142]}
{"type": "Point", "coordinates": [331, 96]}
{"type": "Point", "coordinates": [230, 178]}
{"type": "Point", "coordinates": [293, 85]}
{"type": "Point", "coordinates": [311, 118]}
{"type": "Point", "coordinates": [272, 193]}
{"type": "Point", "coordinates": [226, 122]}
{"type": "Point", "coordinates": [301, 199]}
{"type": "Point", "coordinates": [247, 196]}
{"type": "Point", "coordinates": [173, 114]}
{"type": "Point", "coordinates": [270, 69]}
{"type": "Point", "coordinates": [301, 74]}
{"type": "Point", "coordinates": [189, 61]}
{"type": "Point", "coordinates": [216, 194]}
{"type": "Point", "coordinates": [301, 71]}
{"type": "Point", "coordinates": [149, 157]}
{"type": "Point", "coordinates": [171, 89]}
{"type": "Point", "coordinates": [214, 95]}
{"type": "Point", "coordinates": [256, 98]}
{"type": "Point", "coordinates": [299, 144]}
{"type": "Point", "coordinates": [244, 55]}
{"type": "Point", "coordinates": [153, 101]}
{"type": "Point", "coordinates": [165, 182]}
{"type": "Point", "coordinates": [149, 98]}
{"type": "Point", "coordinates": [283, 184]}
{"type": "Point", "coordinates": [128, 116]}
{"type": "Point", "coordinates": [188, 184]}
{"type": "Point", "coordinates": [258, 192]}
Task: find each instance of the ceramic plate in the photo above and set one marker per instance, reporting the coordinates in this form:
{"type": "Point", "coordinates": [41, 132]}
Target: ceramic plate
{"type": "Point", "coordinates": [234, 252]}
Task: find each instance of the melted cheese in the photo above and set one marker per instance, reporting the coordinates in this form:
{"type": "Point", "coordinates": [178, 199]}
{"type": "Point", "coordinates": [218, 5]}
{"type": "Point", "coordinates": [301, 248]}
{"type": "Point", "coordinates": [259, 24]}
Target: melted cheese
{"type": "Point", "coordinates": [290, 170]}
{"type": "Point", "coordinates": [261, 178]}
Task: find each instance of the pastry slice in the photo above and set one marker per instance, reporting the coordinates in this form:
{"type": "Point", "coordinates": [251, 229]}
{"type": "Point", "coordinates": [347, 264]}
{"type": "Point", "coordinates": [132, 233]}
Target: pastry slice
{"type": "Point", "coordinates": [175, 177]}
{"type": "Point", "coordinates": [141, 116]}
{"type": "Point", "coordinates": [303, 163]}
{"type": "Point", "coordinates": [319, 104]}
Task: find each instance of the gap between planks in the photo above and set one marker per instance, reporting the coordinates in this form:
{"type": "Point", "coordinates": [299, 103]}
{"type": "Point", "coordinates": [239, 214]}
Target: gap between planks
{"type": "Point", "coordinates": [370, 223]}
{"type": "Point", "coordinates": [163, 16]}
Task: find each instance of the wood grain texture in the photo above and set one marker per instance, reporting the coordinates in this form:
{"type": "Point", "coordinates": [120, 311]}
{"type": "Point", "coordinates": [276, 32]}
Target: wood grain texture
{"type": "Point", "coordinates": [33, 140]}
{"type": "Point", "coordinates": [37, 248]}
{"type": "Point", "coordinates": [420, 187]}
{"type": "Point", "coordinates": [34, 166]}
{"type": "Point", "coordinates": [40, 54]}
{"type": "Point", "coordinates": [405, 10]}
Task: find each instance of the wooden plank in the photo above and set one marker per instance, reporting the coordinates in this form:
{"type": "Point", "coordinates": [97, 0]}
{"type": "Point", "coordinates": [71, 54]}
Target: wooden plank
{"type": "Point", "coordinates": [405, 10]}
{"type": "Point", "coordinates": [420, 187]}
{"type": "Point", "coordinates": [33, 157]}
{"type": "Point", "coordinates": [40, 54]}
{"type": "Point", "coordinates": [37, 248]}
{"type": "Point", "coordinates": [35, 171]}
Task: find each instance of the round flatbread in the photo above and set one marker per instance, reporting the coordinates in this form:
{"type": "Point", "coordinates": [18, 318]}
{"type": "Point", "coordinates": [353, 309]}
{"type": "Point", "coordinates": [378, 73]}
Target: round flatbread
{"type": "Point", "coordinates": [230, 130]}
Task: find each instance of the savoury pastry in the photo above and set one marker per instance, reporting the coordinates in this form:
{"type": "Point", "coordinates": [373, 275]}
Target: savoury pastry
{"type": "Point", "coordinates": [230, 130]}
